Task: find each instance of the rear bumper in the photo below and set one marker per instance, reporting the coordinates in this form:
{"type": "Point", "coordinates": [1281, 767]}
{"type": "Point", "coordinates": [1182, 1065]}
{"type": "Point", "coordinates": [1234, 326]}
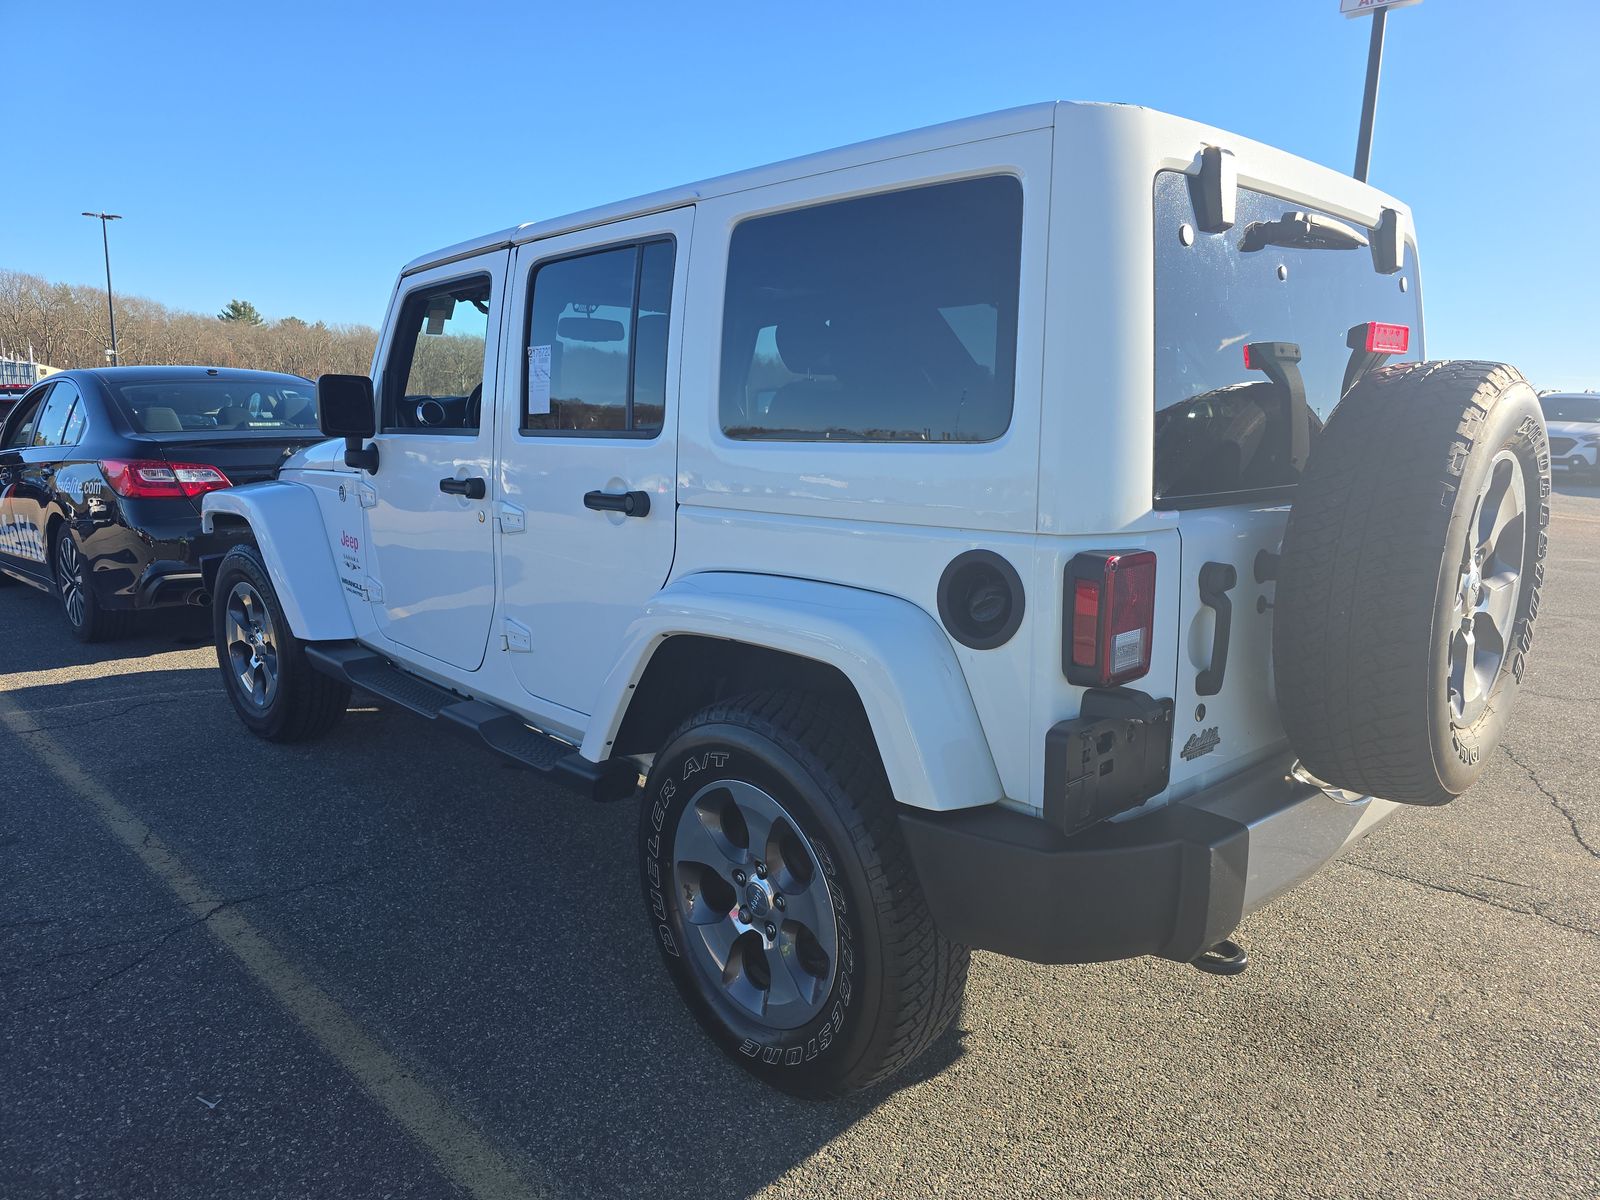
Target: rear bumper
{"type": "Point", "coordinates": [1172, 883]}
{"type": "Point", "coordinates": [148, 555]}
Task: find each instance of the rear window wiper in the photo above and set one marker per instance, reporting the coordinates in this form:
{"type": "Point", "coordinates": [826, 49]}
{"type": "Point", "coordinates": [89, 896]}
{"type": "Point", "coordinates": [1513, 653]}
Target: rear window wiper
{"type": "Point", "coordinates": [1302, 231]}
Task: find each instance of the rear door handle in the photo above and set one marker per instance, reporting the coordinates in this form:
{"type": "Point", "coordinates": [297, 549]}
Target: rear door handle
{"type": "Point", "coordinates": [629, 504]}
{"type": "Point", "coordinates": [475, 488]}
{"type": "Point", "coordinates": [1216, 581]}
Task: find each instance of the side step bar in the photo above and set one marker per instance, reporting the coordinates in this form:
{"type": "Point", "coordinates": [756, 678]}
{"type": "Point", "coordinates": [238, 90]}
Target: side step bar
{"type": "Point", "coordinates": [501, 731]}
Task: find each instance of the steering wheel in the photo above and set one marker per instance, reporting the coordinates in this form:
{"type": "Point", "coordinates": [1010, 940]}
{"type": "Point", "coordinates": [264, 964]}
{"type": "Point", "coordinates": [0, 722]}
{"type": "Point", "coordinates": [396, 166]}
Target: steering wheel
{"type": "Point", "coordinates": [474, 415]}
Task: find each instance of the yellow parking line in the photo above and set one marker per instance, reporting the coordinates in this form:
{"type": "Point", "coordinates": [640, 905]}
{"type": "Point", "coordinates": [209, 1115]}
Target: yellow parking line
{"type": "Point", "coordinates": [462, 1152]}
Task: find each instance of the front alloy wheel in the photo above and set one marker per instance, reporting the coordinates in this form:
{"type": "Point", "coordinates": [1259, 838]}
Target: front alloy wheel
{"type": "Point", "coordinates": [273, 688]}
{"type": "Point", "coordinates": [252, 642]}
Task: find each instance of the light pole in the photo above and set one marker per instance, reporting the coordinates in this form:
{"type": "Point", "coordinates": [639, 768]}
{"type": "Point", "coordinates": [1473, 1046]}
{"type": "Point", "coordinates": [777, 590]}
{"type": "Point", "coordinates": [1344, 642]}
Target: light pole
{"type": "Point", "coordinates": [111, 309]}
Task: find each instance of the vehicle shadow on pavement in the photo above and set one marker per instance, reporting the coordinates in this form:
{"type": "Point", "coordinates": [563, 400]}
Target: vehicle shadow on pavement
{"type": "Point", "coordinates": [488, 930]}
{"type": "Point", "coordinates": [33, 633]}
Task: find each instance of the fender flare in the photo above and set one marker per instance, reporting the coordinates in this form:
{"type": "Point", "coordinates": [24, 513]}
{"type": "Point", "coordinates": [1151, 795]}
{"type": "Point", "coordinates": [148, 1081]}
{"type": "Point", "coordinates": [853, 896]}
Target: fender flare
{"type": "Point", "coordinates": [898, 659]}
{"type": "Point", "coordinates": [286, 523]}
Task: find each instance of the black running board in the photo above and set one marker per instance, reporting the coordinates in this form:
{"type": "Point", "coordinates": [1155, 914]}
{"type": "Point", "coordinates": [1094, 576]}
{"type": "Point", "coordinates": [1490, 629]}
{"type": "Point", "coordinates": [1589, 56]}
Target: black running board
{"type": "Point", "coordinates": [496, 728]}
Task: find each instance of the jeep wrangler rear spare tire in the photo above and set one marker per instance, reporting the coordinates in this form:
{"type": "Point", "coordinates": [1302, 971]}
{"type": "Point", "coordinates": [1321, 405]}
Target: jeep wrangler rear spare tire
{"type": "Point", "coordinates": [1409, 580]}
{"type": "Point", "coordinates": [783, 899]}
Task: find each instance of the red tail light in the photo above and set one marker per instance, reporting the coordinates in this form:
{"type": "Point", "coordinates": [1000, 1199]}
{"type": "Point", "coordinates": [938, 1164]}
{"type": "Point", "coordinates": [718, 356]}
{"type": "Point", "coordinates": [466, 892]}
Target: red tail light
{"type": "Point", "coordinates": [1387, 339]}
{"type": "Point", "coordinates": [1111, 617]}
{"type": "Point", "coordinates": [147, 479]}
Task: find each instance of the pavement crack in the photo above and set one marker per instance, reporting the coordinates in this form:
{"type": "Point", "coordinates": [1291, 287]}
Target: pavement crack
{"type": "Point", "coordinates": [1556, 802]}
{"type": "Point", "coordinates": [168, 934]}
{"type": "Point", "coordinates": [127, 708]}
{"type": "Point", "coordinates": [1533, 911]}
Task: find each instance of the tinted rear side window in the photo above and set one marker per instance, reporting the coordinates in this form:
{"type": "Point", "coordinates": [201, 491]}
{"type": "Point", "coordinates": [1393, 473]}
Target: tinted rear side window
{"type": "Point", "coordinates": [1223, 430]}
{"type": "Point", "coordinates": [597, 342]}
{"type": "Point", "coordinates": [888, 318]}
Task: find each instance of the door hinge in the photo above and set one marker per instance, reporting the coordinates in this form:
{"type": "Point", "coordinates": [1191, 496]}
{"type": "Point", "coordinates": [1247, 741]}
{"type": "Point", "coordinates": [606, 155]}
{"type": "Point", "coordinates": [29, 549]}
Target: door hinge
{"type": "Point", "coordinates": [374, 590]}
{"type": "Point", "coordinates": [519, 638]}
{"type": "Point", "coordinates": [368, 495]}
{"type": "Point", "coordinates": [512, 519]}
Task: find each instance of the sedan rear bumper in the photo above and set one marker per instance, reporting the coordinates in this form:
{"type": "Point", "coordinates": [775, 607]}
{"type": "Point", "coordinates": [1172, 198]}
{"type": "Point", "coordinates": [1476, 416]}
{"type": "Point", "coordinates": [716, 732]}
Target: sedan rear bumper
{"type": "Point", "coordinates": [1172, 884]}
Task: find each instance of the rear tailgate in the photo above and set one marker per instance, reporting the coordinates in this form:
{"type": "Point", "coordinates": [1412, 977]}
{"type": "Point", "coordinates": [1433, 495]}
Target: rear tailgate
{"type": "Point", "coordinates": [1256, 330]}
{"type": "Point", "coordinates": [1225, 715]}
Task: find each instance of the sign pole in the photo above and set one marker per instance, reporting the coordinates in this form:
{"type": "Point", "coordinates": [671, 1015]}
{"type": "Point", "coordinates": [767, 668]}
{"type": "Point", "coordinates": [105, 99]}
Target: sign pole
{"type": "Point", "coordinates": [1369, 99]}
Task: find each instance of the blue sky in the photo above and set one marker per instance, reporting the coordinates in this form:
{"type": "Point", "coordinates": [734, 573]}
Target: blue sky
{"type": "Point", "coordinates": [296, 154]}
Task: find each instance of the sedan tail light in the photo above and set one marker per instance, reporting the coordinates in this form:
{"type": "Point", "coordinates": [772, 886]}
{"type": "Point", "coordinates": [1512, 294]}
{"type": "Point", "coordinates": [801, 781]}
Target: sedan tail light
{"type": "Point", "coordinates": [1110, 611]}
{"type": "Point", "coordinates": [151, 478]}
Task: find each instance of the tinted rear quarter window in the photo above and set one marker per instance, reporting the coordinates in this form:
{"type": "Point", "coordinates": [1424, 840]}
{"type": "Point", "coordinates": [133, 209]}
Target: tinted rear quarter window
{"type": "Point", "coordinates": [885, 318]}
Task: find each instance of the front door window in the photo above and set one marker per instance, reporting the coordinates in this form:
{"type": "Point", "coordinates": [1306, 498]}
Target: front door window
{"type": "Point", "coordinates": [434, 380]}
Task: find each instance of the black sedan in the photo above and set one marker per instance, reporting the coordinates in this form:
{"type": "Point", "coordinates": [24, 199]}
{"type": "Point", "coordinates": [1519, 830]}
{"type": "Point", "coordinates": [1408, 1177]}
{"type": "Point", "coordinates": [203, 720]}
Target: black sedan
{"type": "Point", "coordinates": [101, 474]}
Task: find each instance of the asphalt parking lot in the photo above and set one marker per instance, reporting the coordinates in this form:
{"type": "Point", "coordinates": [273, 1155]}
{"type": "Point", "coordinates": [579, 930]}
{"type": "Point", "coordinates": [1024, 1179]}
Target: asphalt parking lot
{"type": "Point", "coordinates": [377, 967]}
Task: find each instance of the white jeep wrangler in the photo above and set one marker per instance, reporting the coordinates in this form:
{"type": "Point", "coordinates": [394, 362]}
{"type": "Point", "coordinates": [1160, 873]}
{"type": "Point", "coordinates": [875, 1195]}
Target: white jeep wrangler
{"type": "Point", "coordinates": [1038, 533]}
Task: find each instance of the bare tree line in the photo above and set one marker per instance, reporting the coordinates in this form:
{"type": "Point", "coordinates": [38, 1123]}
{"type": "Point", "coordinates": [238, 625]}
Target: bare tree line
{"type": "Point", "coordinates": [67, 326]}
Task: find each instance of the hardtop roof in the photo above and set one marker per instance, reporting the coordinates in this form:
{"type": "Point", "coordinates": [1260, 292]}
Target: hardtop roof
{"type": "Point", "coordinates": [1316, 183]}
{"type": "Point", "coordinates": [950, 133]}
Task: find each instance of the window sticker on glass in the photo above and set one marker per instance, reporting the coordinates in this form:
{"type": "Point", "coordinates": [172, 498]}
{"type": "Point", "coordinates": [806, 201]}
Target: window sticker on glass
{"type": "Point", "coordinates": [538, 380]}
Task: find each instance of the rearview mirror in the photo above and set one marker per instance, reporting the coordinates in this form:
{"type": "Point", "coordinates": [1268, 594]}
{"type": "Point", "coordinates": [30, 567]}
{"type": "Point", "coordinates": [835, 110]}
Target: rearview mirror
{"type": "Point", "coordinates": [590, 329]}
{"type": "Point", "coordinates": [346, 406]}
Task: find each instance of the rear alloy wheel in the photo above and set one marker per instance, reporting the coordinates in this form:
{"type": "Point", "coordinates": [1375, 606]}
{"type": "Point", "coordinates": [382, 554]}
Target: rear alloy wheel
{"type": "Point", "coordinates": [785, 905]}
{"type": "Point", "coordinates": [87, 620]}
{"type": "Point", "coordinates": [754, 902]}
{"type": "Point", "coordinates": [275, 691]}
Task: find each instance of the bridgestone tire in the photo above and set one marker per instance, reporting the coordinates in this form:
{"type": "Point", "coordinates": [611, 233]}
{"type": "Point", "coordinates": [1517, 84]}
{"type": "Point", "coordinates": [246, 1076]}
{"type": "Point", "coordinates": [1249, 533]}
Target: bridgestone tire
{"type": "Point", "coordinates": [1372, 571]}
{"type": "Point", "coordinates": [306, 704]}
{"type": "Point", "coordinates": [898, 983]}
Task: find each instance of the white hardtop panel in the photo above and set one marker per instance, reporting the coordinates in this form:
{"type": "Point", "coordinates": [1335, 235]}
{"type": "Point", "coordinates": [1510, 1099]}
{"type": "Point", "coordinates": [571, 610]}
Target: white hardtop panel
{"type": "Point", "coordinates": [933, 137]}
{"type": "Point", "coordinates": [1262, 167]}
{"type": "Point", "coordinates": [1309, 182]}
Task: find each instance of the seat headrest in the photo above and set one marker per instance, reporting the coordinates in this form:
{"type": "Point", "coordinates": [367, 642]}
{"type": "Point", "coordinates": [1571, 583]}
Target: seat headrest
{"type": "Point", "coordinates": [162, 420]}
{"type": "Point", "coordinates": [806, 345]}
{"type": "Point", "coordinates": [650, 334]}
{"type": "Point", "coordinates": [233, 416]}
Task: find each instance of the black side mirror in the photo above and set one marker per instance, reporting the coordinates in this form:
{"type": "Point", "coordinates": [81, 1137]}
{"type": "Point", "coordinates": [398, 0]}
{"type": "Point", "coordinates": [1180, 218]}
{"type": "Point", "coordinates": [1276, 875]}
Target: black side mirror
{"type": "Point", "coordinates": [347, 408]}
